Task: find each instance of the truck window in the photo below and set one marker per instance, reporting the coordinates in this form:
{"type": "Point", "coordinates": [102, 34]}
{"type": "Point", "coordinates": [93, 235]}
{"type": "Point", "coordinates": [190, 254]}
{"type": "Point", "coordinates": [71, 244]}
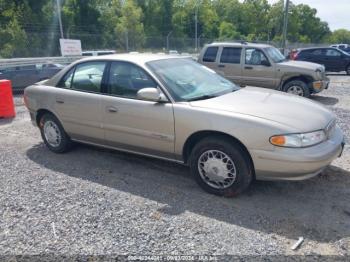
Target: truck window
{"type": "Point", "coordinates": [210, 54]}
{"type": "Point", "coordinates": [254, 56]}
{"type": "Point", "coordinates": [231, 55]}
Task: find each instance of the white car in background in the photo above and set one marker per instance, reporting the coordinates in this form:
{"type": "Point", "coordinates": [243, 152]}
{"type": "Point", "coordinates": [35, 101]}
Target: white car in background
{"type": "Point", "coordinates": [98, 52]}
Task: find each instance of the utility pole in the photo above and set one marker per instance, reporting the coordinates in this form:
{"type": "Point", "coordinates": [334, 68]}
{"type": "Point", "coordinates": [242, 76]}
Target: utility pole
{"type": "Point", "coordinates": [285, 26]}
{"type": "Point", "coordinates": [167, 40]}
{"type": "Point", "coordinates": [127, 41]}
{"type": "Point", "coordinates": [196, 26]}
{"type": "Point", "coordinates": [59, 17]}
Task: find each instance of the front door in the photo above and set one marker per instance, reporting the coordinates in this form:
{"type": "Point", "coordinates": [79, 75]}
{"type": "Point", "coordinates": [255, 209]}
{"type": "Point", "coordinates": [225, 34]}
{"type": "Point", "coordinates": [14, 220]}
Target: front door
{"type": "Point", "coordinates": [333, 60]}
{"type": "Point", "coordinates": [133, 124]}
{"type": "Point", "coordinates": [257, 70]}
{"type": "Point", "coordinates": [78, 101]}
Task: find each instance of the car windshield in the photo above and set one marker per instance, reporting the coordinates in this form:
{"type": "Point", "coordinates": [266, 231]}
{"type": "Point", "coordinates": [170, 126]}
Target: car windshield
{"type": "Point", "coordinates": [187, 80]}
{"type": "Point", "coordinates": [275, 54]}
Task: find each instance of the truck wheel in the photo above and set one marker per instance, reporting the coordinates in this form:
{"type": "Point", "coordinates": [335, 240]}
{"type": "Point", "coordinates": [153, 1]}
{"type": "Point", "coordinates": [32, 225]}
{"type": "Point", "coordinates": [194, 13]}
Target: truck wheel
{"type": "Point", "coordinates": [221, 167]}
{"type": "Point", "coordinates": [297, 87]}
{"type": "Point", "coordinates": [53, 134]}
{"type": "Point", "coordinates": [348, 70]}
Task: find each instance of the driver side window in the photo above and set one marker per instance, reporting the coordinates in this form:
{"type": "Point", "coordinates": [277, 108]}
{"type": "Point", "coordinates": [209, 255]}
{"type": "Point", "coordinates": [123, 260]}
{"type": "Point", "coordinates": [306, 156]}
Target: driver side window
{"type": "Point", "coordinates": [126, 79]}
{"type": "Point", "coordinates": [255, 56]}
{"type": "Point", "coordinates": [332, 52]}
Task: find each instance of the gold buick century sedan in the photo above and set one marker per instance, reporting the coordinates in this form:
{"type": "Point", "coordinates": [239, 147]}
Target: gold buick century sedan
{"type": "Point", "coordinates": [173, 108]}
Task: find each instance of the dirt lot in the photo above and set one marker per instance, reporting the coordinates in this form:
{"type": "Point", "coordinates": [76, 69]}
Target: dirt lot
{"type": "Point", "coordinates": [95, 201]}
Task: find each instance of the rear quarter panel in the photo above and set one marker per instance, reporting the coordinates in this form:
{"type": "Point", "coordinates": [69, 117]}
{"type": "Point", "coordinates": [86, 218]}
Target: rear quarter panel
{"type": "Point", "coordinates": [40, 97]}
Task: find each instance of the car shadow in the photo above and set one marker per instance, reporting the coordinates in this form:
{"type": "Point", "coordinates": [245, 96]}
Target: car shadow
{"type": "Point", "coordinates": [326, 100]}
{"type": "Point", "coordinates": [316, 209]}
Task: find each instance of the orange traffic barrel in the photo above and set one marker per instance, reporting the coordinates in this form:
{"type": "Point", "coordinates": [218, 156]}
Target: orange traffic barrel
{"type": "Point", "coordinates": [7, 107]}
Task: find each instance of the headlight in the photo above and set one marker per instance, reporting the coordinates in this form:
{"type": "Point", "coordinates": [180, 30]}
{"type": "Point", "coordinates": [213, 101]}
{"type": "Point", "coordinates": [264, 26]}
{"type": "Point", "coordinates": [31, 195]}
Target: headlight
{"type": "Point", "coordinates": [299, 140]}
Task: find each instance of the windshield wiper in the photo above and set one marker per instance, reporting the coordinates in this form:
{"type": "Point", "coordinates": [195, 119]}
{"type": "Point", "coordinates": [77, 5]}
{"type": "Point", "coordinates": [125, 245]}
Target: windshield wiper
{"type": "Point", "coordinates": [203, 97]}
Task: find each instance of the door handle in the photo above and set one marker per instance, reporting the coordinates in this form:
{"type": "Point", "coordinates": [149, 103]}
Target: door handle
{"type": "Point", "coordinates": [112, 109]}
{"type": "Point", "coordinates": [221, 65]}
{"type": "Point", "coordinates": [59, 101]}
{"type": "Point", "coordinates": [248, 67]}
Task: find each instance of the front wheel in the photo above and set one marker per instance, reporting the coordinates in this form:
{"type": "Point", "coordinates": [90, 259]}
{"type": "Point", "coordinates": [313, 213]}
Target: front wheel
{"type": "Point", "coordinates": [53, 134]}
{"type": "Point", "coordinates": [221, 167]}
{"type": "Point", "coordinates": [297, 87]}
{"type": "Point", "coordinates": [348, 70]}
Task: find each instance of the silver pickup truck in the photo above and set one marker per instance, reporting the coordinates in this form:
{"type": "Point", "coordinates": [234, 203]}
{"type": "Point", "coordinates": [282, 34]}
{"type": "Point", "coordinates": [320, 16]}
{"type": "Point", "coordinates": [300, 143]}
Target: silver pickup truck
{"type": "Point", "coordinates": [263, 66]}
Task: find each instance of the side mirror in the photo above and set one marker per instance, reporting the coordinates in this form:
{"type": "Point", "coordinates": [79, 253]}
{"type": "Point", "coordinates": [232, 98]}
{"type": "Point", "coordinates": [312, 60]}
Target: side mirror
{"type": "Point", "coordinates": [151, 94]}
{"type": "Point", "coordinates": [265, 63]}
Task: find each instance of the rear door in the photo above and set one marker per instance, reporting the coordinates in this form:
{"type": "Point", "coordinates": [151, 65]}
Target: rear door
{"type": "Point", "coordinates": [230, 64]}
{"type": "Point", "coordinates": [257, 69]}
{"type": "Point", "coordinates": [134, 124]}
{"type": "Point", "coordinates": [78, 101]}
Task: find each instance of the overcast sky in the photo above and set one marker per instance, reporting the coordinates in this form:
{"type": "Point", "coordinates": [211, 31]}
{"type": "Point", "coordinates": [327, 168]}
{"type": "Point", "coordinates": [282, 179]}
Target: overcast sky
{"type": "Point", "coordinates": [335, 12]}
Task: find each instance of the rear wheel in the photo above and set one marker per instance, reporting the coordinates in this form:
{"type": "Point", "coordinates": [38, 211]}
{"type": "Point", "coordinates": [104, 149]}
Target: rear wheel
{"type": "Point", "coordinates": [297, 87]}
{"type": "Point", "coordinates": [221, 167]}
{"type": "Point", "coordinates": [53, 134]}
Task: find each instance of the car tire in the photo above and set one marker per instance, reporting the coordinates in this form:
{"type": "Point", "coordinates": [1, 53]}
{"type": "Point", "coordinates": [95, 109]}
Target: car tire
{"type": "Point", "coordinates": [53, 134]}
{"type": "Point", "coordinates": [297, 87]}
{"type": "Point", "coordinates": [348, 70]}
{"type": "Point", "coordinates": [221, 167]}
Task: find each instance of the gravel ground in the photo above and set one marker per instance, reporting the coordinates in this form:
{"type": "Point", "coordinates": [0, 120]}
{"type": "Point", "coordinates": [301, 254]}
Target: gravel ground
{"type": "Point", "coordinates": [93, 201]}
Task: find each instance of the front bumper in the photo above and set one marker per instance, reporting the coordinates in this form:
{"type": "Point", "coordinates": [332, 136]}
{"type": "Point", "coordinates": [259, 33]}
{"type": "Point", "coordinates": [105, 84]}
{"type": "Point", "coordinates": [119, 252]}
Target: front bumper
{"type": "Point", "coordinates": [297, 163]}
{"type": "Point", "coordinates": [318, 86]}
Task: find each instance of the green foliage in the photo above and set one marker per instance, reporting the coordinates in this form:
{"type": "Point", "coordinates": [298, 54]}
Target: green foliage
{"type": "Point", "coordinates": [341, 36]}
{"type": "Point", "coordinates": [130, 26]}
{"type": "Point", "coordinates": [228, 31]}
{"type": "Point", "coordinates": [30, 28]}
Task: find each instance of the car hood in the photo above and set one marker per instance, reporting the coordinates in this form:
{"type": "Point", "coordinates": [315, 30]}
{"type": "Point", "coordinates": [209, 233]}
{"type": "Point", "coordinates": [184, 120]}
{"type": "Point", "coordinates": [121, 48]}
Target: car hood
{"type": "Point", "coordinates": [301, 64]}
{"type": "Point", "coordinates": [298, 113]}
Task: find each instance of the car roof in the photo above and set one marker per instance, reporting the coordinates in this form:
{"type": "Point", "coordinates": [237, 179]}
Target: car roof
{"type": "Point", "coordinates": [314, 48]}
{"type": "Point", "coordinates": [139, 59]}
{"type": "Point", "coordinates": [238, 44]}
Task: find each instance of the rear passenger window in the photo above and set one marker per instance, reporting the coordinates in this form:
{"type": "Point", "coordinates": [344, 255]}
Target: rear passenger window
{"type": "Point", "coordinates": [317, 52]}
{"type": "Point", "coordinates": [88, 76]}
{"type": "Point", "coordinates": [231, 55]}
{"type": "Point", "coordinates": [210, 54]}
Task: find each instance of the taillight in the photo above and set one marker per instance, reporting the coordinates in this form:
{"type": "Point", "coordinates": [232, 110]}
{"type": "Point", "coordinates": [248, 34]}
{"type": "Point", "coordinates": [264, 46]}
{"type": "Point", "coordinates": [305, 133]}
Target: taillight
{"type": "Point", "coordinates": [295, 56]}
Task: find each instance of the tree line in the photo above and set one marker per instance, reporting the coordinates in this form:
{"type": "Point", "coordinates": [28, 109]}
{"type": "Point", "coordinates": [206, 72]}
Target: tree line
{"type": "Point", "coordinates": [30, 27]}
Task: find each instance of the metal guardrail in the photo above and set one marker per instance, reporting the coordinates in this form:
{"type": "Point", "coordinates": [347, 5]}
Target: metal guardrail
{"type": "Point", "coordinates": [13, 62]}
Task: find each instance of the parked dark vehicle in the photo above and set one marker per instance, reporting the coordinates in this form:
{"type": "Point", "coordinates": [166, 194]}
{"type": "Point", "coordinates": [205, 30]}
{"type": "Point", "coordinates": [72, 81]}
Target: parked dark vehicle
{"type": "Point", "coordinates": [334, 59]}
{"type": "Point", "coordinates": [23, 76]}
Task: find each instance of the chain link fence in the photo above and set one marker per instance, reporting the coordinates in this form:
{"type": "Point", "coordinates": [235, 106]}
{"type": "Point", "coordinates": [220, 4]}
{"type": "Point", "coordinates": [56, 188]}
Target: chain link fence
{"type": "Point", "coordinates": [46, 44]}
